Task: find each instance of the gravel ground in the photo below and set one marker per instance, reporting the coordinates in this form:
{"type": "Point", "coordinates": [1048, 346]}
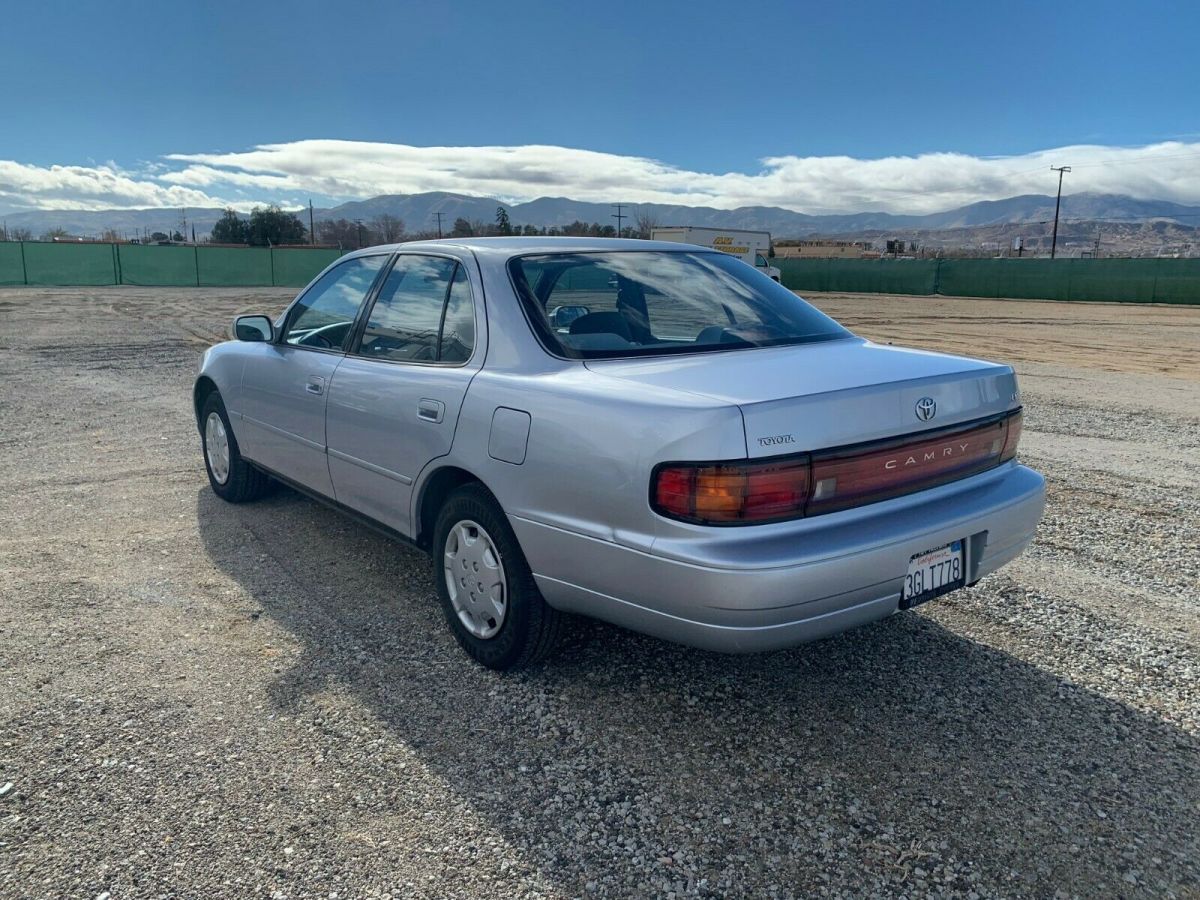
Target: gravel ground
{"type": "Point", "coordinates": [203, 700]}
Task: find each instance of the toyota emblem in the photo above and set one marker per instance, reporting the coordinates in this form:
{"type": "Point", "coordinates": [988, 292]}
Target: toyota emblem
{"type": "Point", "coordinates": [926, 409]}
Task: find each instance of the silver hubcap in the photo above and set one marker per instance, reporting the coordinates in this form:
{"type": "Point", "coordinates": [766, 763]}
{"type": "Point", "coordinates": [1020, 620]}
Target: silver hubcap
{"type": "Point", "coordinates": [216, 447]}
{"type": "Point", "coordinates": [475, 579]}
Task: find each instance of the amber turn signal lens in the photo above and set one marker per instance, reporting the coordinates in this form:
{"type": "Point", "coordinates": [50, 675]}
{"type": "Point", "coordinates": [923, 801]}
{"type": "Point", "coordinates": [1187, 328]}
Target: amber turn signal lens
{"type": "Point", "coordinates": [732, 493]}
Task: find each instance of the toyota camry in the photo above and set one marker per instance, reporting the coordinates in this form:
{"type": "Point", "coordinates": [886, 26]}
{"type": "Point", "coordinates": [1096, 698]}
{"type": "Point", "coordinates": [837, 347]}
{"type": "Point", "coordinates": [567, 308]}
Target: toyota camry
{"type": "Point", "coordinates": [653, 434]}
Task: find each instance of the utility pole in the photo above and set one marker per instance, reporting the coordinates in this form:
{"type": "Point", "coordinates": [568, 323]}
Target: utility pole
{"type": "Point", "coordinates": [183, 234]}
{"type": "Point", "coordinates": [439, 218]}
{"type": "Point", "coordinates": [619, 216]}
{"type": "Point", "coordinates": [312, 232]}
{"type": "Point", "coordinates": [1057, 203]}
{"type": "Point", "coordinates": [358, 222]}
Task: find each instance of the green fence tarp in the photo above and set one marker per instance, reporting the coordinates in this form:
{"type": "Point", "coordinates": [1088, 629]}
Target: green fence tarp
{"type": "Point", "coordinates": [1022, 279]}
{"type": "Point", "coordinates": [48, 263]}
{"type": "Point", "coordinates": [296, 268]}
{"type": "Point", "coordinates": [1027, 279]}
{"type": "Point", "coordinates": [866, 276]}
{"type": "Point", "coordinates": [895, 276]}
{"type": "Point", "coordinates": [1119, 280]}
{"type": "Point", "coordinates": [35, 262]}
{"type": "Point", "coordinates": [802, 274]}
{"type": "Point", "coordinates": [1177, 281]}
{"type": "Point", "coordinates": [1125, 280]}
{"type": "Point", "coordinates": [142, 264]}
{"type": "Point", "coordinates": [1122, 280]}
{"type": "Point", "coordinates": [12, 268]}
{"type": "Point", "coordinates": [957, 275]}
{"type": "Point", "coordinates": [234, 266]}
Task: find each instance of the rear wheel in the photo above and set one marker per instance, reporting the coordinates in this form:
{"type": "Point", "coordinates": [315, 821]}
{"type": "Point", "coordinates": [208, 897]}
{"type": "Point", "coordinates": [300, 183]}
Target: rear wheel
{"type": "Point", "coordinates": [486, 587]}
{"type": "Point", "coordinates": [231, 477]}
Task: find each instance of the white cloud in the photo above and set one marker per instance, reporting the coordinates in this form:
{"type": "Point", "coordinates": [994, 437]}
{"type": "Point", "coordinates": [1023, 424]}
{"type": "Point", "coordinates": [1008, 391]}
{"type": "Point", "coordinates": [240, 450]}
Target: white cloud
{"type": "Point", "coordinates": [204, 176]}
{"type": "Point", "coordinates": [84, 187]}
{"type": "Point", "coordinates": [926, 183]}
{"type": "Point", "coordinates": [354, 169]}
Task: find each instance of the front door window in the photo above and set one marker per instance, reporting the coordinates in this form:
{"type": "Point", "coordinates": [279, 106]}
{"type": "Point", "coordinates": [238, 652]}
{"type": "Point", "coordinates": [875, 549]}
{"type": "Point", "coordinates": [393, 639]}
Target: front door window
{"type": "Point", "coordinates": [324, 316]}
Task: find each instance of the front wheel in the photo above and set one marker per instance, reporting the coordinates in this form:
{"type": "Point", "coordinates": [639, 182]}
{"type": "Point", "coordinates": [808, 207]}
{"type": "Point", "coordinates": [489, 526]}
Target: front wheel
{"type": "Point", "coordinates": [231, 477]}
{"type": "Point", "coordinates": [486, 587]}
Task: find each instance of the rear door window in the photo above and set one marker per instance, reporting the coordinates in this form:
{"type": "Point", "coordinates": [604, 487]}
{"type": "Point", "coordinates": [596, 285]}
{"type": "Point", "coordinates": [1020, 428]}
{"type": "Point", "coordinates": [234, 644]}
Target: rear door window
{"type": "Point", "coordinates": [458, 326]}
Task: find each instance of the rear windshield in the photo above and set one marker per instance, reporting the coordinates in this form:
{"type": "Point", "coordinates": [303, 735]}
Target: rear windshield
{"type": "Point", "coordinates": [647, 303]}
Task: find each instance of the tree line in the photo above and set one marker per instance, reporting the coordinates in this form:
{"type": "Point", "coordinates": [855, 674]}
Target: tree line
{"type": "Point", "coordinates": [388, 229]}
{"type": "Point", "coordinates": [265, 227]}
{"type": "Point", "coordinates": [270, 226]}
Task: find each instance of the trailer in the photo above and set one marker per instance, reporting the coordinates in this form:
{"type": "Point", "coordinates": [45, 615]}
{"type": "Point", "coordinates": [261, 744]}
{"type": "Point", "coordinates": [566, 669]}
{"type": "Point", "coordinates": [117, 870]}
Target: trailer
{"type": "Point", "coordinates": [751, 247]}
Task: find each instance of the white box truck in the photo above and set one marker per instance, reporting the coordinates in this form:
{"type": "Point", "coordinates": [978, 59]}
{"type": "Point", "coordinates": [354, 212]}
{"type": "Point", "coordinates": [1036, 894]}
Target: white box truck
{"type": "Point", "coordinates": [751, 247]}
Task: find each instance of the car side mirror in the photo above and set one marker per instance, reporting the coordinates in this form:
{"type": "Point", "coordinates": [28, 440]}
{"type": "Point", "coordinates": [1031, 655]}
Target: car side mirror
{"type": "Point", "coordinates": [253, 328]}
{"type": "Point", "coordinates": [563, 316]}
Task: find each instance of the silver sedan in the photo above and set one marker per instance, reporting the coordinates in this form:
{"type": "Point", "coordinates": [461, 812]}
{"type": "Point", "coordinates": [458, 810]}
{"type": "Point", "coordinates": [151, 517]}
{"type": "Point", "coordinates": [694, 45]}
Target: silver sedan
{"type": "Point", "coordinates": [648, 433]}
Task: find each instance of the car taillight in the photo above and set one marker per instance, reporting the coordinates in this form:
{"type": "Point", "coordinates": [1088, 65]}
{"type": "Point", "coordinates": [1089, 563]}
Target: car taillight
{"type": "Point", "coordinates": [1012, 437]}
{"type": "Point", "coordinates": [742, 493]}
{"type": "Point", "coordinates": [732, 493]}
{"type": "Point", "coordinates": [900, 467]}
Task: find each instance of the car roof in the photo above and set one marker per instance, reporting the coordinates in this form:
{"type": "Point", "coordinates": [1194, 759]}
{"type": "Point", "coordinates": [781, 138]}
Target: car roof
{"type": "Point", "coordinates": [506, 247]}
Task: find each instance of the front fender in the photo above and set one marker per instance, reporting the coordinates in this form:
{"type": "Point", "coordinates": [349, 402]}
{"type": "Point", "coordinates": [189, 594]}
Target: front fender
{"type": "Point", "coordinates": [221, 368]}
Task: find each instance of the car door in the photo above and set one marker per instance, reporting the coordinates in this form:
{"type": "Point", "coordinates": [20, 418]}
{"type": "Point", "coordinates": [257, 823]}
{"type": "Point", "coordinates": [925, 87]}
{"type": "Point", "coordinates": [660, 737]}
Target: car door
{"type": "Point", "coordinates": [394, 401]}
{"type": "Point", "coordinates": [285, 383]}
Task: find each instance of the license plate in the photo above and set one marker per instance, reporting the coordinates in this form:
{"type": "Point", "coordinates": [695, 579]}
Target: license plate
{"type": "Point", "coordinates": [933, 573]}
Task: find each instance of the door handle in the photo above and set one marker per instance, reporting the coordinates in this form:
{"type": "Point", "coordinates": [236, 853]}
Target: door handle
{"type": "Point", "coordinates": [431, 410]}
{"type": "Point", "coordinates": [315, 385]}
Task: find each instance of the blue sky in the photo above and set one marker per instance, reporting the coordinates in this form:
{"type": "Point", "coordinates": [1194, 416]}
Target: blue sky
{"type": "Point", "coordinates": [715, 90]}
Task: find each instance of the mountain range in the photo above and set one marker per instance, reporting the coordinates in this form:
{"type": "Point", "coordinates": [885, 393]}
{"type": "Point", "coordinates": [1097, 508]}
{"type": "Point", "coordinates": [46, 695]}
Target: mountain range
{"type": "Point", "coordinates": [419, 213]}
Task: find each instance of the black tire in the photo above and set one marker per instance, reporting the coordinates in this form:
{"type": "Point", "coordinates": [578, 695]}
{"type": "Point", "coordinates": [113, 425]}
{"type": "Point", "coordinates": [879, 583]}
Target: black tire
{"type": "Point", "coordinates": [244, 482]}
{"type": "Point", "coordinates": [531, 628]}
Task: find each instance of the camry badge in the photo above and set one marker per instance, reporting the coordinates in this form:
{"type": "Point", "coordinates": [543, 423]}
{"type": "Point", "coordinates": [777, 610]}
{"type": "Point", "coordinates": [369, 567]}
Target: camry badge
{"type": "Point", "coordinates": [926, 409]}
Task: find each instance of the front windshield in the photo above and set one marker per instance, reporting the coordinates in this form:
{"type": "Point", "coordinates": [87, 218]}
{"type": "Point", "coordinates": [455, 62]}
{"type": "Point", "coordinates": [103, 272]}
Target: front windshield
{"type": "Point", "coordinates": [646, 303]}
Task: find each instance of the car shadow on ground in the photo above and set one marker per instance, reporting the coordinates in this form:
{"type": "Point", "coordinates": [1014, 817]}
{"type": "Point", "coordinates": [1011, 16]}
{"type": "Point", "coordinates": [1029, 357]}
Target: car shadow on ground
{"type": "Point", "coordinates": [896, 751]}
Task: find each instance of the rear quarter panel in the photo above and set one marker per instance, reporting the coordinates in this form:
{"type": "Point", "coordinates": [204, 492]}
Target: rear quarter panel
{"type": "Point", "coordinates": [592, 444]}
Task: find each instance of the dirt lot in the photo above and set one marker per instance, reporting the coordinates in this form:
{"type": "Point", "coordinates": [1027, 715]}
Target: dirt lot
{"type": "Point", "coordinates": [203, 700]}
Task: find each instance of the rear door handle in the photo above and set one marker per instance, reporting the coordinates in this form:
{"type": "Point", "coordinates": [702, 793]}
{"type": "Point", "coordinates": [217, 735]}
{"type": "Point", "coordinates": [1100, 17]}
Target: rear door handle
{"type": "Point", "coordinates": [431, 410]}
{"type": "Point", "coordinates": [316, 384]}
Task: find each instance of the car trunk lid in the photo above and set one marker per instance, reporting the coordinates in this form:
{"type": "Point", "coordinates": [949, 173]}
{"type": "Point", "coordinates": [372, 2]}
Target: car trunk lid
{"type": "Point", "coordinates": [831, 394]}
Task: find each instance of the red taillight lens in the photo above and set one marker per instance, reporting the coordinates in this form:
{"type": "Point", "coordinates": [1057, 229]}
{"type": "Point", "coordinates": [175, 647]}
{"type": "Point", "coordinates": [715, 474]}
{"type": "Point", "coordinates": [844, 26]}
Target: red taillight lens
{"type": "Point", "coordinates": [773, 490]}
{"type": "Point", "coordinates": [727, 493]}
{"type": "Point", "coordinates": [902, 467]}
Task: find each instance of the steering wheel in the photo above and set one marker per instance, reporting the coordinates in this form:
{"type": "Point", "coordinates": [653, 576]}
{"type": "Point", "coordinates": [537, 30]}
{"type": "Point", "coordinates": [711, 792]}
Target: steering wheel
{"type": "Point", "coordinates": [318, 340]}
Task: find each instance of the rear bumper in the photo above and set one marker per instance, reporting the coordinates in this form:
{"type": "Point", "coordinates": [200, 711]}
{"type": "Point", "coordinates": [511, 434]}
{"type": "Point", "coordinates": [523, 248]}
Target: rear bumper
{"type": "Point", "coordinates": [765, 587]}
